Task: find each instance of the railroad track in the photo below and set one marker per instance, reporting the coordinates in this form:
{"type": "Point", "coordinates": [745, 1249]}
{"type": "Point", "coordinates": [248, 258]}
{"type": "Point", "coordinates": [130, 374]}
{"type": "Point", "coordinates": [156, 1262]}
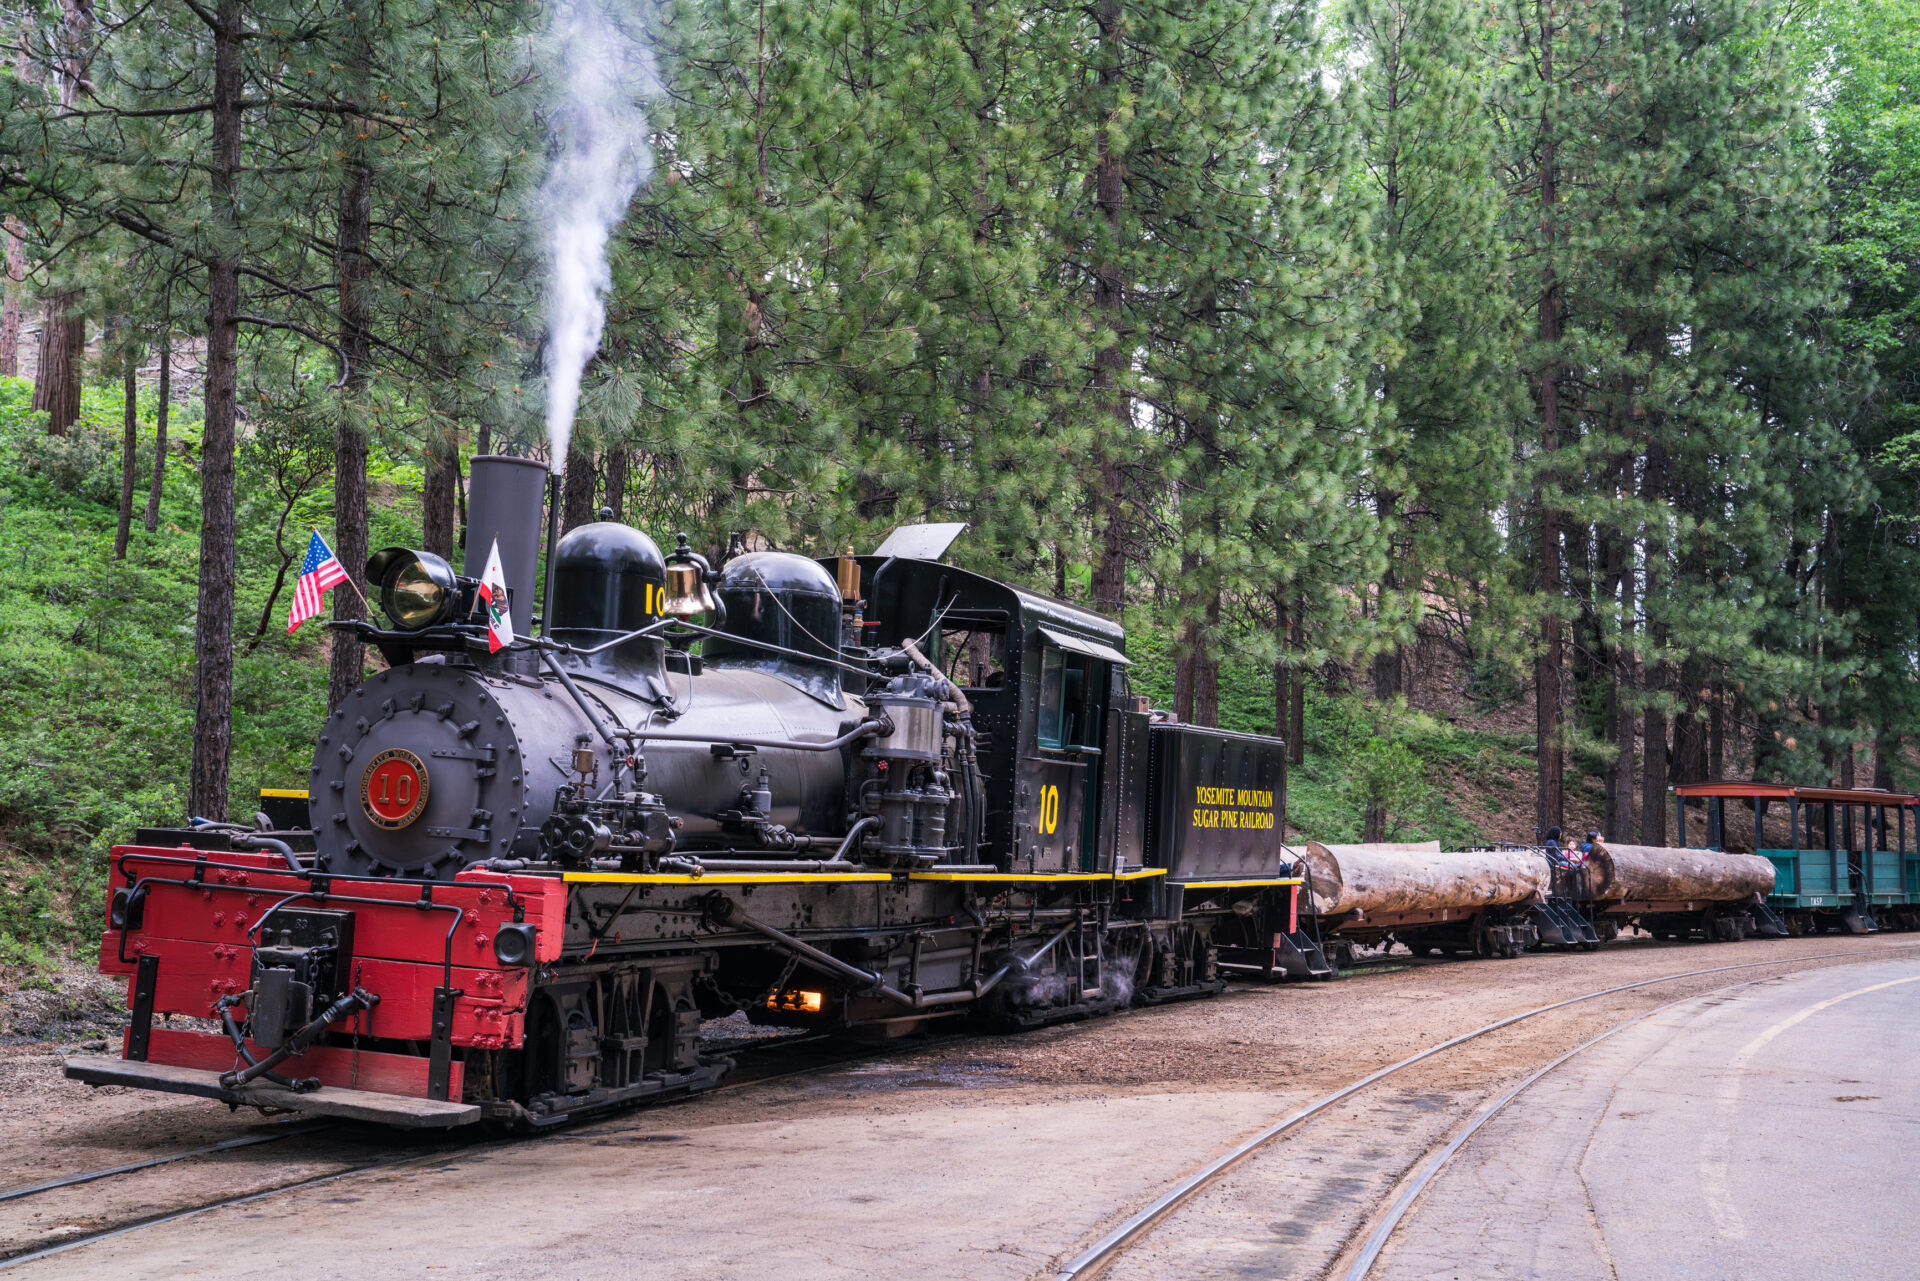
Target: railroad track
{"type": "Point", "coordinates": [1139, 1226]}
{"type": "Point", "coordinates": [760, 1068]}
{"type": "Point", "coordinates": [765, 1061]}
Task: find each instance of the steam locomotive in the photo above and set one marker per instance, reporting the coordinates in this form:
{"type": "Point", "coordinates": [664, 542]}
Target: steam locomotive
{"type": "Point", "coordinates": [857, 793]}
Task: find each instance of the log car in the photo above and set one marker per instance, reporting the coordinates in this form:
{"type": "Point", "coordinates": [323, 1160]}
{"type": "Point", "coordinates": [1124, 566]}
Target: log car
{"type": "Point", "coordinates": [1671, 893]}
{"type": "Point", "coordinates": [1477, 902]}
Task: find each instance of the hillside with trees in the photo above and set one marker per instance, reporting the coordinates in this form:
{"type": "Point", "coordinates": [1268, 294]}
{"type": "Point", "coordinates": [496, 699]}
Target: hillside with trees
{"type": "Point", "coordinates": [1510, 405]}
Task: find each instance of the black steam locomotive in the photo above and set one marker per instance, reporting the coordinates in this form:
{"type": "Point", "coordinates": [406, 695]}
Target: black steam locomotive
{"type": "Point", "coordinates": [854, 793]}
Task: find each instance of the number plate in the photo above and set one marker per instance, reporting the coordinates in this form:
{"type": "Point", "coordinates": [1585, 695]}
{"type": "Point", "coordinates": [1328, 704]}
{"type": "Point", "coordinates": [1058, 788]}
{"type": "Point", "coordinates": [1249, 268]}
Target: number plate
{"type": "Point", "coordinates": [393, 791]}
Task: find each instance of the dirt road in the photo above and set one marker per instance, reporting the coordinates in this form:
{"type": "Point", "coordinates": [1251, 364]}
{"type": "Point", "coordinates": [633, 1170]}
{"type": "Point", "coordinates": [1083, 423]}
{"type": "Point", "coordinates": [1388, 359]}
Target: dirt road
{"type": "Point", "coordinates": [969, 1157]}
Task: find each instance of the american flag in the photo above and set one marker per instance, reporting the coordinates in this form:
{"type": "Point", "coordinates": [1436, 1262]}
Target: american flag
{"type": "Point", "coordinates": [321, 571]}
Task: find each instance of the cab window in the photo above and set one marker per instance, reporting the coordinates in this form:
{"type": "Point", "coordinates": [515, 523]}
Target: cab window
{"type": "Point", "coordinates": [974, 655]}
{"type": "Point", "coordinates": [1070, 689]}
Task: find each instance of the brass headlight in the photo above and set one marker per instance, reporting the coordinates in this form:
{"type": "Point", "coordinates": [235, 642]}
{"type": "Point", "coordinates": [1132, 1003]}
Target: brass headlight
{"type": "Point", "coordinates": [417, 589]}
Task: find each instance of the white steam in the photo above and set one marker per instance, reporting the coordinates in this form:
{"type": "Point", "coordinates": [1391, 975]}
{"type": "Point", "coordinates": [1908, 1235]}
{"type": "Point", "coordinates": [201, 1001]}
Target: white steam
{"type": "Point", "coordinates": [602, 70]}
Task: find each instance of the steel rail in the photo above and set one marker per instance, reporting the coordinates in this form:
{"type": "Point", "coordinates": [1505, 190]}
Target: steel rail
{"type": "Point", "coordinates": [1108, 1247]}
{"type": "Point", "coordinates": [586, 1125]}
{"type": "Point", "coordinates": [1383, 1232]}
{"type": "Point", "coordinates": [174, 1216]}
{"type": "Point", "coordinates": [225, 1145]}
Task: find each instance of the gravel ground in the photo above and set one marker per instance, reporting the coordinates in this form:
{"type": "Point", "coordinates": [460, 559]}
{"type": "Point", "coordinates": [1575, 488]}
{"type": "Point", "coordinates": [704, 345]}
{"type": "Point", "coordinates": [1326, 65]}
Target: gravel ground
{"type": "Point", "coordinates": [959, 1155]}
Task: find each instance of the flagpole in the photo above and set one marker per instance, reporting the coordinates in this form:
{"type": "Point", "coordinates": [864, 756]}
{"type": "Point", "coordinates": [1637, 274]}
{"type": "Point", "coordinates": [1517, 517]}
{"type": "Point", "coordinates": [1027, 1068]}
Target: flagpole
{"type": "Point", "coordinates": [475, 607]}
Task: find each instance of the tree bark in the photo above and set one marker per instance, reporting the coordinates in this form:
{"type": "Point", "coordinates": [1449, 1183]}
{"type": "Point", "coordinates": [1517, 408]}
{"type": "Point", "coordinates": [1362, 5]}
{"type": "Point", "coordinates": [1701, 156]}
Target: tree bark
{"type": "Point", "coordinates": [576, 504]}
{"type": "Point", "coordinates": [437, 498]}
{"type": "Point", "coordinates": [355, 303]}
{"type": "Point", "coordinates": [617, 481]}
{"type": "Point", "coordinates": [213, 632]}
{"type": "Point", "coordinates": [1410, 876]}
{"type": "Point", "coordinates": [1886, 749]}
{"type": "Point", "coordinates": [1110, 362]}
{"type": "Point", "coordinates": [1621, 871]}
{"type": "Point", "coordinates": [1620, 587]}
{"type": "Point", "coordinates": [1550, 763]}
{"type": "Point", "coordinates": [1298, 726]}
{"type": "Point", "coordinates": [1206, 668]}
{"type": "Point", "coordinates": [16, 287]}
{"type": "Point", "coordinates": [1717, 734]}
{"type": "Point", "coordinates": [1653, 731]}
{"type": "Point", "coordinates": [161, 405]}
{"type": "Point", "coordinates": [129, 448]}
{"type": "Point", "coordinates": [63, 355]}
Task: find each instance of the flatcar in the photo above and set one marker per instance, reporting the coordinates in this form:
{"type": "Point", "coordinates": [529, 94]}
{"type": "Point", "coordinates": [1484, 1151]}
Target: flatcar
{"type": "Point", "coordinates": [864, 793]}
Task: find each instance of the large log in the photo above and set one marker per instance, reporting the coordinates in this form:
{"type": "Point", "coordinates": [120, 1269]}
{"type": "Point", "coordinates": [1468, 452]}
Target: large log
{"type": "Point", "coordinates": [1420, 877]}
{"type": "Point", "coordinates": [1653, 873]}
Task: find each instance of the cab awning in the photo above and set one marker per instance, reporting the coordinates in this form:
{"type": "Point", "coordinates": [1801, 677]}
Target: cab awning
{"type": "Point", "coordinates": [1092, 649]}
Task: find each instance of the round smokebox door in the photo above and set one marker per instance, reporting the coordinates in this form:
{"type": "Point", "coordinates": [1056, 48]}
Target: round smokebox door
{"type": "Point", "coordinates": [402, 776]}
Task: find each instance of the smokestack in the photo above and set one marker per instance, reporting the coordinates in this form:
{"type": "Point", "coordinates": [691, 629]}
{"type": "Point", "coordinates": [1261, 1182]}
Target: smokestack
{"type": "Point", "coordinates": [505, 497]}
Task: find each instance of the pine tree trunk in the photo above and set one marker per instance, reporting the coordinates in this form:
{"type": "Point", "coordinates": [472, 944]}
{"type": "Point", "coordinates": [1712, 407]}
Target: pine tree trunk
{"type": "Point", "coordinates": [1389, 664]}
{"type": "Point", "coordinates": [129, 449]}
{"type": "Point", "coordinates": [1206, 669]}
{"type": "Point", "coordinates": [1886, 750]}
{"type": "Point", "coordinates": [161, 405]}
{"type": "Point", "coordinates": [1298, 724]}
{"type": "Point", "coordinates": [1110, 363]}
{"type": "Point", "coordinates": [355, 318]}
{"type": "Point", "coordinates": [1620, 687]}
{"type": "Point", "coordinates": [16, 287]}
{"type": "Point", "coordinates": [1653, 733]}
{"type": "Point", "coordinates": [1550, 763]}
{"type": "Point", "coordinates": [1283, 700]}
{"type": "Point", "coordinates": [576, 506]}
{"type": "Point", "coordinates": [437, 499]}
{"type": "Point", "coordinates": [1717, 734]}
{"type": "Point", "coordinates": [213, 632]}
{"type": "Point", "coordinates": [617, 481]}
{"type": "Point", "coordinates": [63, 356]}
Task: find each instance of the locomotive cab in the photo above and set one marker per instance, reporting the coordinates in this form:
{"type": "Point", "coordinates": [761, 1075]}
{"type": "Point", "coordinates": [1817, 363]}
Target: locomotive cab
{"type": "Point", "coordinates": [1061, 738]}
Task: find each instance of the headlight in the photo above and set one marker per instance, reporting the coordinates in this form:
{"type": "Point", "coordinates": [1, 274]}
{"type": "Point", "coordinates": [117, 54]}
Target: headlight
{"type": "Point", "coordinates": [514, 945]}
{"type": "Point", "coordinates": [417, 589]}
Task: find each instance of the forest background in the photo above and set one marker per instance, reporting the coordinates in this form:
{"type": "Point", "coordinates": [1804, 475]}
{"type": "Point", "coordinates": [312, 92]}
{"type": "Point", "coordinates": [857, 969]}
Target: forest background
{"type": "Point", "coordinates": [1510, 404]}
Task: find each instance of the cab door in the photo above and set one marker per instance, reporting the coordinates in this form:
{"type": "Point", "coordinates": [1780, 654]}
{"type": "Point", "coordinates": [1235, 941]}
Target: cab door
{"type": "Point", "coordinates": [1060, 775]}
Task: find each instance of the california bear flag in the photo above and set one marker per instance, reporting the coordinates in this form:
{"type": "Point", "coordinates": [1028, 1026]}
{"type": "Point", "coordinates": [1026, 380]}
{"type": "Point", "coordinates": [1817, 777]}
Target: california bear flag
{"type": "Point", "coordinates": [493, 593]}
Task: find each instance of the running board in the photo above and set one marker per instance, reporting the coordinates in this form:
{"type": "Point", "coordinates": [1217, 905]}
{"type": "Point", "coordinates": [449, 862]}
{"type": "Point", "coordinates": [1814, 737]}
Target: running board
{"type": "Point", "coordinates": [358, 1105]}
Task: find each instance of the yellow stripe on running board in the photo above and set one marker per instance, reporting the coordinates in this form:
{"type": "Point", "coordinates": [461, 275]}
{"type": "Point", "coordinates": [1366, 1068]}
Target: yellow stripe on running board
{"type": "Point", "coordinates": [726, 878]}
{"type": "Point", "coordinates": [1048, 878]}
{"type": "Point", "coordinates": [1234, 885]}
{"type": "Point", "coordinates": [283, 793]}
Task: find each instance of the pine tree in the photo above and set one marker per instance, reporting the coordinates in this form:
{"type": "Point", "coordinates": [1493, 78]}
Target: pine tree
{"type": "Point", "coordinates": [1444, 336]}
{"type": "Point", "coordinates": [1865, 53]}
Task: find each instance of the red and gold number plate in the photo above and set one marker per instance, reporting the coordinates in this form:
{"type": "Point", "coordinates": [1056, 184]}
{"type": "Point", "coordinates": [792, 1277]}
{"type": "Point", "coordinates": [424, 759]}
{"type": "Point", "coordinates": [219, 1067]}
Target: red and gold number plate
{"type": "Point", "coordinates": [393, 790]}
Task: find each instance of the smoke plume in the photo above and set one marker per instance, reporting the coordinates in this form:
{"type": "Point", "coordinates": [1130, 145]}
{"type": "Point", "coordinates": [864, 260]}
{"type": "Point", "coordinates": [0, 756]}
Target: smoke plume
{"type": "Point", "coordinates": [602, 70]}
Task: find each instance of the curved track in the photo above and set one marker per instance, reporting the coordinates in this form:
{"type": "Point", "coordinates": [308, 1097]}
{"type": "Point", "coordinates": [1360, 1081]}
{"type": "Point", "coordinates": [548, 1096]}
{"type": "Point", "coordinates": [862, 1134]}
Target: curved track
{"type": "Point", "coordinates": [1437, 1161]}
{"type": "Point", "coordinates": [1109, 1248]}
